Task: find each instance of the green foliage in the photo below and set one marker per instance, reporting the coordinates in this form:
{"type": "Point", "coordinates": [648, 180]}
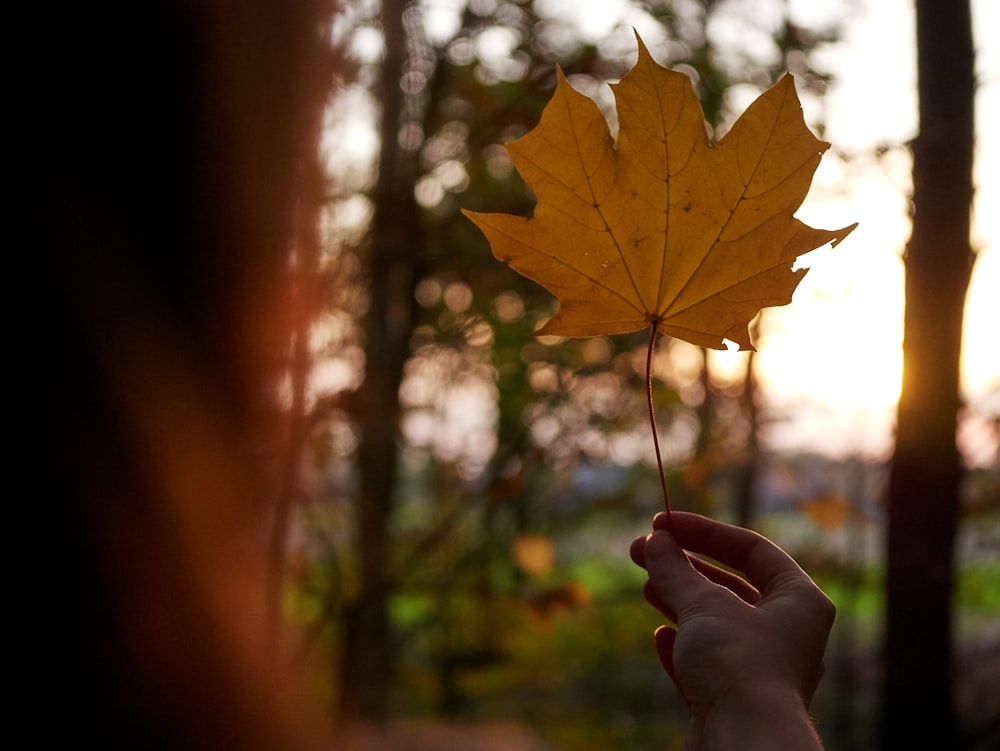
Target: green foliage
{"type": "Point", "coordinates": [581, 671]}
{"type": "Point", "coordinates": [979, 588]}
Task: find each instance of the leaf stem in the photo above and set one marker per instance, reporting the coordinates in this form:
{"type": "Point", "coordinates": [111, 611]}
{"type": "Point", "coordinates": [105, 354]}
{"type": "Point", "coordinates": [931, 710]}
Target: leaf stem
{"type": "Point", "coordinates": [652, 417]}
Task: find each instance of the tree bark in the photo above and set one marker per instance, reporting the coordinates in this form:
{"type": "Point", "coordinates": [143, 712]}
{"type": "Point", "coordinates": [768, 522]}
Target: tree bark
{"type": "Point", "coordinates": [746, 506]}
{"type": "Point", "coordinates": [366, 663]}
{"type": "Point", "coordinates": [924, 483]}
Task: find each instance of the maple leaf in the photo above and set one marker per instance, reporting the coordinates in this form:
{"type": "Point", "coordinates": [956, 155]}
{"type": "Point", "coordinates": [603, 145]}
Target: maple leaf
{"type": "Point", "coordinates": [663, 228]}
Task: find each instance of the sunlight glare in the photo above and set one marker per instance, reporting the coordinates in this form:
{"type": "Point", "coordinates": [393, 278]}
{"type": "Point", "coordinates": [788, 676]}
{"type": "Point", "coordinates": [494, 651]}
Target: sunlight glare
{"type": "Point", "coordinates": [841, 348]}
{"type": "Point", "coordinates": [980, 351]}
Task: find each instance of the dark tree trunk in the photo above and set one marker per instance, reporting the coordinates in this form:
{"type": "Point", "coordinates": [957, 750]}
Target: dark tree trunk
{"type": "Point", "coordinates": [366, 665]}
{"type": "Point", "coordinates": [159, 184]}
{"type": "Point", "coordinates": [303, 303]}
{"type": "Point", "coordinates": [926, 471]}
{"type": "Point", "coordinates": [747, 480]}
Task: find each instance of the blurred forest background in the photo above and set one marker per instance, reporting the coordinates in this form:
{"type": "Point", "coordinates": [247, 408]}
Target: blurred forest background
{"type": "Point", "coordinates": [445, 502]}
{"type": "Point", "coordinates": [459, 496]}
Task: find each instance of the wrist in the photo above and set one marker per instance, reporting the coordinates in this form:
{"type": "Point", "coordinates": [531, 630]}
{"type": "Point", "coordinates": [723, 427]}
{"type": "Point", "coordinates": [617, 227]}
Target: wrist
{"type": "Point", "coordinates": [751, 717]}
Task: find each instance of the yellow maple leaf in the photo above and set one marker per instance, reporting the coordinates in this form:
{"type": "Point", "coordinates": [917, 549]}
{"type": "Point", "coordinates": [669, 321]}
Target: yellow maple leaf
{"type": "Point", "coordinates": [663, 228]}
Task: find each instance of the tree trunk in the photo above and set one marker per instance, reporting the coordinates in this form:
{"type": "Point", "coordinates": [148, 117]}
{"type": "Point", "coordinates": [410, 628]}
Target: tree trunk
{"type": "Point", "coordinates": [366, 665]}
{"type": "Point", "coordinates": [303, 303]}
{"type": "Point", "coordinates": [746, 506]}
{"type": "Point", "coordinates": [926, 471]}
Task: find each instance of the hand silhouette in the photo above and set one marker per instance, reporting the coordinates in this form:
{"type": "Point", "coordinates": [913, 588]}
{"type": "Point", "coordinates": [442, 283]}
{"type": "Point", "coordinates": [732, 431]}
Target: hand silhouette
{"type": "Point", "coordinates": [746, 653]}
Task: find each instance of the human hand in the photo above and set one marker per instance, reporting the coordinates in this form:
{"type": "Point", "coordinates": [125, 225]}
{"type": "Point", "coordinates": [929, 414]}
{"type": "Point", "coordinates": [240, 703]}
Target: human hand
{"type": "Point", "coordinates": [746, 654]}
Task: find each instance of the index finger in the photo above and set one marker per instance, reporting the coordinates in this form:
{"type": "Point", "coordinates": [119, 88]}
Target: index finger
{"type": "Point", "coordinates": [764, 564]}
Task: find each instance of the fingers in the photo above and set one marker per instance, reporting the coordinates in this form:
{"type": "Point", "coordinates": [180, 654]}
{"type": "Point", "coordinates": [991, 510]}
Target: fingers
{"type": "Point", "coordinates": [664, 638]}
{"type": "Point", "coordinates": [766, 566]}
{"type": "Point", "coordinates": [635, 551]}
{"type": "Point", "coordinates": [674, 579]}
{"type": "Point", "coordinates": [739, 586]}
{"type": "Point", "coordinates": [654, 599]}
{"type": "Point", "coordinates": [674, 585]}
{"type": "Point", "coordinates": [736, 584]}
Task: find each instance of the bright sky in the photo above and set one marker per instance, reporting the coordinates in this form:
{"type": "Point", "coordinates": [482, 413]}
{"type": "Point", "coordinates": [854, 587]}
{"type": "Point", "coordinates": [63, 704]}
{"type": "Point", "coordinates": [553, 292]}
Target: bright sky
{"type": "Point", "coordinates": [840, 340]}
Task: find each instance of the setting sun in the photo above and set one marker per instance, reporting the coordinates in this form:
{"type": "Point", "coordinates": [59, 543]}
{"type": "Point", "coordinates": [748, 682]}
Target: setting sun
{"type": "Point", "coordinates": [839, 342]}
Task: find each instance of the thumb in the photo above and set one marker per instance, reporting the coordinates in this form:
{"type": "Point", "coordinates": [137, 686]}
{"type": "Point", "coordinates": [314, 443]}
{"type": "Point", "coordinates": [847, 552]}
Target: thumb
{"type": "Point", "coordinates": [673, 581]}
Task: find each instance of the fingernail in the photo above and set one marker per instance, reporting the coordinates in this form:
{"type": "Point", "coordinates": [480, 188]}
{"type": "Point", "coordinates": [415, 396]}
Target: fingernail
{"type": "Point", "coordinates": [657, 544]}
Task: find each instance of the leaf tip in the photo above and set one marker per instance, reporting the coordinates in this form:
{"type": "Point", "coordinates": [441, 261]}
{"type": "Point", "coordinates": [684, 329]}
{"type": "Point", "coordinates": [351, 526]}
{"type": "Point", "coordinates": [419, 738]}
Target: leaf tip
{"type": "Point", "coordinates": [645, 57]}
{"type": "Point", "coordinates": [642, 44]}
{"type": "Point", "coordinates": [842, 234]}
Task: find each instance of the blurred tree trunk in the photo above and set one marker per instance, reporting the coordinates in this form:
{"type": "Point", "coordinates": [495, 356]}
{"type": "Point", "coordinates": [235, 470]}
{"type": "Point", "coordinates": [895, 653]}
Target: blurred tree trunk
{"type": "Point", "coordinates": [304, 308]}
{"type": "Point", "coordinates": [745, 498]}
{"type": "Point", "coordinates": [366, 664]}
{"type": "Point", "coordinates": [926, 473]}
